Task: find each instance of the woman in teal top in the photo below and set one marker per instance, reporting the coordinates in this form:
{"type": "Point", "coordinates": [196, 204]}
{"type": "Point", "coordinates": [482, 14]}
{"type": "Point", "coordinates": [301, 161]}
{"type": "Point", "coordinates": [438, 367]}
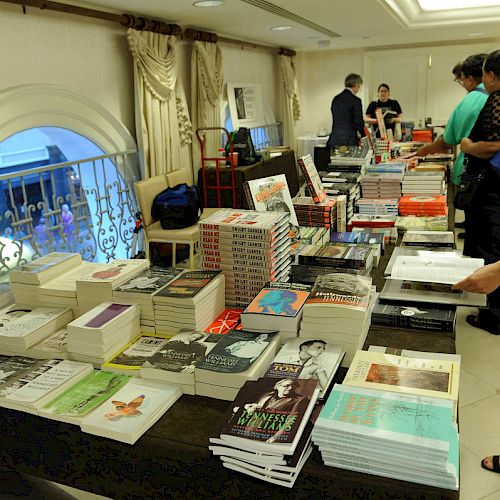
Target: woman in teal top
{"type": "Point", "coordinates": [464, 116]}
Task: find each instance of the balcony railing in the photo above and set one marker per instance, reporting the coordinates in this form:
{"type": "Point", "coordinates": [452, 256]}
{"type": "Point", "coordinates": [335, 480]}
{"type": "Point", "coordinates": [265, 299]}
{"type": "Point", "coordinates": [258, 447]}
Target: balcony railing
{"type": "Point", "coordinates": [86, 206]}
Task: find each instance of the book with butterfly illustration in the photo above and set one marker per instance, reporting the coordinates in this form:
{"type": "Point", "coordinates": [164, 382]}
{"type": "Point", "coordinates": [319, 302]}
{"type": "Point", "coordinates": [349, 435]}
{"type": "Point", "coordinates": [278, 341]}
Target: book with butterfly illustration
{"type": "Point", "coordinates": [129, 413]}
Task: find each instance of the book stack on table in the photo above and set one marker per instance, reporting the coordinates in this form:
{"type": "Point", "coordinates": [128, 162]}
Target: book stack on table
{"type": "Point", "coordinates": [238, 356]}
{"type": "Point", "coordinates": [22, 327]}
{"type": "Point", "coordinates": [266, 433]}
{"type": "Point", "coordinates": [100, 333]}
{"type": "Point", "coordinates": [322, 214]}
{"type": "Point", "coordinates": [277, 307]}
{"type": "Point", "coordinates": [26, 280]}
{"type": "Point", "coordinates": [97, 286]}
{"type": "Point", "coordinates": [424, 182]}
{"type": "Point", "coordinates": [423, 205]}
{"type": "Point", "coordinates": [41, 383]}
{"type": "Point", "coordinates": [338, 310]}
{"type": "Point", "coordinates": [429, 239]}
{"type": "Point", "coordinates": [427, 223]}
{"type": "Point", "coordinates": [377, 206]}
{"type": "Point", "coordinates": [371, 221]}
{"type": "Point", "coordinates": [140, 290]}
{"type": "Point", "coordinates": [54, 346]}
{"type": "Point", "coordinates": [381, 185]}
{"type": "Point", "coordinates": [369, 431]}
{"type": "Point", "coordinates": [190, 301]}
{"type": "Point", "coordinates": [251, 248]}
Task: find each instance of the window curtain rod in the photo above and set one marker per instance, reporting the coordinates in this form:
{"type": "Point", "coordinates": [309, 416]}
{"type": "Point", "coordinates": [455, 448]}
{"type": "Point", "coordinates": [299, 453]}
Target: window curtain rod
{"type": "Point", "coordinates": [126, 20]}
{"type": "Point", "coordinates": [205, 36]}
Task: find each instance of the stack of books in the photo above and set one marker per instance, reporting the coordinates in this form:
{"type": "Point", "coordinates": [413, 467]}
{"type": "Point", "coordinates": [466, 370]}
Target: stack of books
{"type": "Point", "coordinates": [21, 327]}
{"type": "Point", "coordinates": [314, 235]}
{"type": "Point", "coordinates": [190, 301]}
{"type": "Point", "coordinates": [429, 252]}
{"type": "Point", "coordinates": [249, 444]}
{"type": "Point", "coordinates": [178, 357]}
{"type": "Point", "coordinates": [367, 430]}
{"type": "Point", "coordinates": [429, 239]}
{"type": "Point", "coordinates": [26, 279]}
{"type": "Point", "coordinates": [313, 180]}
{"type": "Point", "coordinates": [13, 368]}
{"type": "Point", "coordinates": [100, 333]}
{"type": "Point", "coordinates": [390, 234]}
{"type": "Point", "coordinates": [97, 286]}
{"type": "Point", "coordinates": [423, 205]}
{"type": "Point", "coordinates": [277, 307]}
{"type": "Point", "coordinates": [42, 383]}
{"type": "Point", "coordinates": [352, 156]}
{"type": "Point", "coordinates": [430, 223]}
{"type": "Point", "coordinates": [352, 193]}
{"type": "Point", "coordinates": [54, 346]}
{"type": "Point", "coordinates": [393, 167]}
{"type": "Point", "coordinates": [238, 356]}
{"type": "Point", "coordinates": [423, 182]}
{"type": "Point", "coordinates": [337, 255]}
{"type": "Point", "coordinates": [130, 412]}
{"type": "Point", "coordinates": [381, 185]}
{"type": "Point", "coordinates": [322, 214]}
{"type": "Point", "coordinates": [371, 221]}
{"type": "Point", "coordinates": [377, 206]}
{"type": "Point", "coordinates": [338, 310]}
{"type": "Point", "coordinates": [340, 177]}
{"type": "Point", "coordinates": [375, 240]}
{"type": "Point", "coordinates": [251, 248]}
{"type": "Point", "coordinates": [140, 290]}
{"type": "Point", "coordinates": [414, 316]}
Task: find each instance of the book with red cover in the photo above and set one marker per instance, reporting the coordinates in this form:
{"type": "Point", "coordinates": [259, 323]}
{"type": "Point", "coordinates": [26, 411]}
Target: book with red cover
{"type": "Point", "coordinates": [228, 319]}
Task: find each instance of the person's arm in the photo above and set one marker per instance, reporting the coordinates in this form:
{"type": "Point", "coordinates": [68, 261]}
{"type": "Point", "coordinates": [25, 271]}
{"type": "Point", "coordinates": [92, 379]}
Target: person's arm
{"type": "Point", "coordinates": [438, 146]}
{"type": "Point", "coordinates": [484, 280]}
{"type": "Point", "coordinates": [359, 124]}
{"type": "Point", "coordinates": [481, 149]}
{"type": "Point", "coordinates": [399, 117]}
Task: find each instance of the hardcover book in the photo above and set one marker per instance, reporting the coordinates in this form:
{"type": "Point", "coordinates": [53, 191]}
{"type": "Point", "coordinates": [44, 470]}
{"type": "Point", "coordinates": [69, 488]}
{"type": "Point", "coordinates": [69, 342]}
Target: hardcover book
{"type": "Point", "coordinates": [336, 255]}
{"type": "Point", "coordinates": [312, 177]}
{"type": "Point", "coordinates": [434, 317]}
{"type": "Point", "coordinates": [409, 291]}
{"type": "Point", "coordinates": [429, 239]}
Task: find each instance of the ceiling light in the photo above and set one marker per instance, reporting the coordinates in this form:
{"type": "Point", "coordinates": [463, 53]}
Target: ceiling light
{"type": "Point", "coordinates": [455, 4]}
{"type": "Point", "coordinates": [281, 28]}
{"type": "Point", "coordinates": [209, 3]}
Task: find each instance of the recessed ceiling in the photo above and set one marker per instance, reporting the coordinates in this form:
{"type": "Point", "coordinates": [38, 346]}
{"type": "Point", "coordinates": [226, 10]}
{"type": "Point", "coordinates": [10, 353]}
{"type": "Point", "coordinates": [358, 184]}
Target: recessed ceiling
{"type": "Point", "coordinates": [346, 24]}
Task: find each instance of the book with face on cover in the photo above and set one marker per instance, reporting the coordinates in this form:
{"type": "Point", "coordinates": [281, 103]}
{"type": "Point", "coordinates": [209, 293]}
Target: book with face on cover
{"type": "Point", "coordinates": [13, 367]}
{"type": "Point", "coordinates": [39, 271]}
{"type": "Point", "coordinates": [84, 396]}
{"type": "Point", "coordinates": [132, 410]}
{"type": "Point", "coordinates": [147, 283]}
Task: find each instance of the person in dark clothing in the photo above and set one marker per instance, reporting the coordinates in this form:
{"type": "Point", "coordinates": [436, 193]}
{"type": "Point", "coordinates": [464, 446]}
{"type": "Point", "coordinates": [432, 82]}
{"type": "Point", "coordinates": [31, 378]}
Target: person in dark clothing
{"type": "Point", "coordinates": [482, 218]}
{"type": "Point", "coordinates": [347, 115]}
{"type": "Point", "coordinates": [390, 108]}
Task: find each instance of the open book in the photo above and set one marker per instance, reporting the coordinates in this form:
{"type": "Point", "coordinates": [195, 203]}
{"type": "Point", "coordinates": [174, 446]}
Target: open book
{"type": "Point", "coordinates": [434, 269]}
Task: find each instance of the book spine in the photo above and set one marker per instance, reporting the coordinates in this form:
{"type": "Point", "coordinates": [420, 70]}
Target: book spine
{"type": "Point", "coordinates": [414, 323]}
{"type": "Point", "coordinates": [310, 186]}
{"type": "Point", "coordinates": [314, 260]}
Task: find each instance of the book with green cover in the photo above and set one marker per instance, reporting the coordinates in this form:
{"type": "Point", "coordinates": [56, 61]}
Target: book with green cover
{"type": "Point", "coordinates": [84, 396]}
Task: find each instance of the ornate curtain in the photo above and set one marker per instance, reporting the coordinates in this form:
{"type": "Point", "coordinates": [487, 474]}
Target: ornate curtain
{"type": "Point", "coordinates": [290, 100]}
{"type": "Point", "coordinates": [206, 89]}
{"type": "Point", "coordinates": [164, 131]}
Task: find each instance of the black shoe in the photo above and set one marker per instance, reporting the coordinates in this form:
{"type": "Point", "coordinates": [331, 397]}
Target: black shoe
{"type": "Point", "coordinates": [474, 321]}
{"type": "Point", "coordinates": [461, 236]}
{"type": "Point", "coordinates": [460, 225]}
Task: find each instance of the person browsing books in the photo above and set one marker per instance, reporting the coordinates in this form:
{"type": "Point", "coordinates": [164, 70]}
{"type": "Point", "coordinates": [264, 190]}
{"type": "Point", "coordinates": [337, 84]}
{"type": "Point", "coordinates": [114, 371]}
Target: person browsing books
{"type": "Point", "coordinates": [309, 356]}
{"type": "Point", "coordinates": [464, 115]}
{"type": "Point", "coordinates": [391, 109]}
{"type": "Point", "coordinates": [482, 217]}
{"type": "Point", "coordinates": [347, 114]}
{"type": "Point", "coordinates": [484, 280]}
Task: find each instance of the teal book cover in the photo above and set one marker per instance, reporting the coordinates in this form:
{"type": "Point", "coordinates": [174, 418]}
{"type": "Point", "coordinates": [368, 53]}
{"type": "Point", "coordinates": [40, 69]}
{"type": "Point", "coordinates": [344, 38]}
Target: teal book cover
{"type": "Point", "coordinates": [387, 414]}
{"type": "Point", "coordinates": [87, 394]}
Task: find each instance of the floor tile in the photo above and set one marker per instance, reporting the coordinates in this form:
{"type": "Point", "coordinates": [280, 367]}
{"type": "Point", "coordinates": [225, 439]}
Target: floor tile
{"type": "Point", "coordinates": [475, 482]}
{"type": "Point", "coordinates": [472, 389]}
{"type": "Point", "coordinates": [493, 496]}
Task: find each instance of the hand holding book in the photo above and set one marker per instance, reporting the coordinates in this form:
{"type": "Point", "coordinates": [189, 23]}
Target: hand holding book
{"type": "Point", "coordinates": [483, 280]}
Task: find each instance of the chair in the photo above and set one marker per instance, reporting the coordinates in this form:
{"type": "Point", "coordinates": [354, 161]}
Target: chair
{"type": "Point", "coordinates": [146, 190]}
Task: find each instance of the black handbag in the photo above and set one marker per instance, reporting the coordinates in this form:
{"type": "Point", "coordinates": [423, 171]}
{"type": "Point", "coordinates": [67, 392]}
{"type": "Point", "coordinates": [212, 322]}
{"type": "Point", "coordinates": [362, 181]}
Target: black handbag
{"type": "Point", "coordinates": [466, 191]}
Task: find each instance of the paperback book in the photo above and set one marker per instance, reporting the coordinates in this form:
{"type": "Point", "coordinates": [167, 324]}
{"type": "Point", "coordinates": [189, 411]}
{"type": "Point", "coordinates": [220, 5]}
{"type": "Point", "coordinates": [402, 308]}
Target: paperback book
{"type": "Point", "coordinates": [313, 180]}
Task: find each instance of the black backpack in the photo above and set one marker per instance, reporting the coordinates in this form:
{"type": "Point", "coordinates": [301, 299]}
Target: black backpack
{"type": "Point", "coordinates": [177, 207]}
{"type": "Point", "coordinates": [243, 145]}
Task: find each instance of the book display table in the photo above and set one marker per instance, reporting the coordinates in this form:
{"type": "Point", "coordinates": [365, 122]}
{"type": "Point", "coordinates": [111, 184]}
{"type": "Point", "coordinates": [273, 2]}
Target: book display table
{"type": "Point", "coordinates": [172, 460]}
